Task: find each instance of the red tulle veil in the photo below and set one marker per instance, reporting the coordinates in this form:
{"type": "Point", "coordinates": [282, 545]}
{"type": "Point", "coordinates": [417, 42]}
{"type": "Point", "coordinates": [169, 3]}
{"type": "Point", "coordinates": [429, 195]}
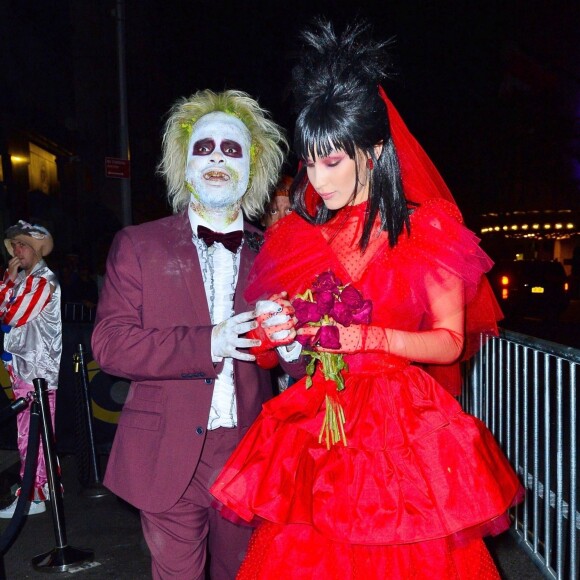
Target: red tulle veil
{"type": "Point", "coordinates": [422, 181]}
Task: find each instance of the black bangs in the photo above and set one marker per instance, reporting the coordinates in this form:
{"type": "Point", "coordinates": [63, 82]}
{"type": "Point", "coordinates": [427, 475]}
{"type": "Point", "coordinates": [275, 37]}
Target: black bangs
{"type": "Point", "coordinates": [318, 134]}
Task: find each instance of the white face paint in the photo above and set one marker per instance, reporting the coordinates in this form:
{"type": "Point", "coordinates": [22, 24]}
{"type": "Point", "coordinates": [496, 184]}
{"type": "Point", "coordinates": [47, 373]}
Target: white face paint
{"type": "Point", "coordinates": [218, 161]}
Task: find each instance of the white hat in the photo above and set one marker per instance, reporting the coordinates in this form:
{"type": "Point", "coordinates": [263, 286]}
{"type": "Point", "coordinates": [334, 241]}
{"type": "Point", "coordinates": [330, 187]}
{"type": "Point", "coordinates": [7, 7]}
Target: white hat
{"type": "Point", "coordinates": [37, 237]}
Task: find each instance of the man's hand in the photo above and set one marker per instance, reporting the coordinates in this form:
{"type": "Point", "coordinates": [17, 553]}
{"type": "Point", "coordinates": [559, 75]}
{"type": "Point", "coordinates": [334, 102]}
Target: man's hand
{"type": "Point", "coordinates": [12, 268]}
{"type": "Point", "coordinates": [226, 339]}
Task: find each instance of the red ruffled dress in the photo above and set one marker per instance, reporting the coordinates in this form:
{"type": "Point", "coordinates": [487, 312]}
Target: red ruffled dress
{"type": "Point", "coordinates": [419, 482]}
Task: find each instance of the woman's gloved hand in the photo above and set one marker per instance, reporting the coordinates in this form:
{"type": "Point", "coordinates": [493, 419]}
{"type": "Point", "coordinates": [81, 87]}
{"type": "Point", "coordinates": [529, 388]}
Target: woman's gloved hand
{"type": "Point", "coordinates": [276, 322]}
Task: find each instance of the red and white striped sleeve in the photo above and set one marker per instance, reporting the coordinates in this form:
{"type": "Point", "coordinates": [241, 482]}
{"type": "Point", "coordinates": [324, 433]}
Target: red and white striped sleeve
{"type": "Point", "coordinates": [29, 304]}
{"type": "Point", "coordinates": [5, 293]}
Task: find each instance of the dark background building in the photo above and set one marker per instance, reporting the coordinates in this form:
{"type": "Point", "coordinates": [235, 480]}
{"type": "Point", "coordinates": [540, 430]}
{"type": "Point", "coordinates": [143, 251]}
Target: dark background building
{"type": "Point", "coordinates": [491, 89]}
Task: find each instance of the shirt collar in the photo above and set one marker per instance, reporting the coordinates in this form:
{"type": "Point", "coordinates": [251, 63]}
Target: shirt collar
{"type": "Point", "coordinates": [196, 220]}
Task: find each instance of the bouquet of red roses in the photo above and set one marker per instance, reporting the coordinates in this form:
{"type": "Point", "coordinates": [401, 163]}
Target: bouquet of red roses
{"type": "Point", "coordinates": [323, 305]}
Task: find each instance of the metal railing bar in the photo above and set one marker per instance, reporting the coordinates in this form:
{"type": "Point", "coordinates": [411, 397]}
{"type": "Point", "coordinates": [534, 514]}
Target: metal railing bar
{"type": "Point", "coordinates": [536, 451]}
{"type": "Point", "coordinates": [551, 498]}
{"type": "Point", "coordinates": [537, 559]}
{"type": "Point", "coordinates": [547, 458]}
{"type": "Point", "coordinates": [574, 517]}
{"type": "Point", "coordinates": [508, 401]}
{"type": "Point", "coordinates": [559, 560]}
{"type": "Point", "coordinates": [526, 433]}
{"type": "Point", "coordinates": [492, 386]}
{"type": "Point", "coordinates": [568, 352]}
{"type": "Point", "coordinates": [516, 458]}
{"type": "Point", "coordinates": [497, 392]}
{"type": "Point", "coordinates": [477, 390]}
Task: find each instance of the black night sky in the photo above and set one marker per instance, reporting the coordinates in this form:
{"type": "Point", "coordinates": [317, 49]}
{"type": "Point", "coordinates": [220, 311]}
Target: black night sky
{"type": "Point", "coordinates": [490, 88]}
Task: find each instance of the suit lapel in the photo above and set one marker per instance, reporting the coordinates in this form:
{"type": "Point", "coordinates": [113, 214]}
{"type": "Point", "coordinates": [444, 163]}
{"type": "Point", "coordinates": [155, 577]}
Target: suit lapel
{"type": "Point", "coordinates": [246, 261]}
{"type": "Point", "coordinates": [186, 255]}
{"type": "Point", "coordinates": [240, 305]}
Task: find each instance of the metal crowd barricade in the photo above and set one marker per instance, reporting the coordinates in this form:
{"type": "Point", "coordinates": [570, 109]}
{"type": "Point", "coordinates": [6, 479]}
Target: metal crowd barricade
{"type": "Point", "coordinates": [524, 389]}
{"type": "Point", "coordinates": [77, 312]}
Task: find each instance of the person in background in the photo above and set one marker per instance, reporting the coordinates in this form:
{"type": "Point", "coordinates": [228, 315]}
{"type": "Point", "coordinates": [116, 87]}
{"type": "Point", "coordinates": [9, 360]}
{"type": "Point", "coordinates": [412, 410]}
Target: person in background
{"type": "Point", "coordinates": [368, 467]}
{"type": "Point", "coordinates": [172, 317]}
{"type": "Point", "coordinates": [31, 320]}
{"type": "Point", "coordinates": [279, 205]}
{"type": "Point", "coordinates": [277, 208]}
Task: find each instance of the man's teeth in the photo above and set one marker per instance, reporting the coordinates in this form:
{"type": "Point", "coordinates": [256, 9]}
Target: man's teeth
{"type": "Point", "coordinates": [216, 175]}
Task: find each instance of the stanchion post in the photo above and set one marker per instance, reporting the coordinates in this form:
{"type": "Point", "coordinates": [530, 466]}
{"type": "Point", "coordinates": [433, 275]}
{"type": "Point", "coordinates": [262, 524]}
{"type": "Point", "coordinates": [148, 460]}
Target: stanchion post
{"type": "Point", "coordinates": [63, 556]}
{"type": "Point", "coordinates": [96, 488]}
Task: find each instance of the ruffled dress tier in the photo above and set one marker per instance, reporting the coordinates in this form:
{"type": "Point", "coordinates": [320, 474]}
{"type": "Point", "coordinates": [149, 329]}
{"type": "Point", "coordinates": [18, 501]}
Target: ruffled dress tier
{"type": "Point", "coordinates": [419, 482]}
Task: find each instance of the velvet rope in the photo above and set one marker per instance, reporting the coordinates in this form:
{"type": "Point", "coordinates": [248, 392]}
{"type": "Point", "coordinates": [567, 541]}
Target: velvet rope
{"type": "Point", "coordinates": [17, 520]}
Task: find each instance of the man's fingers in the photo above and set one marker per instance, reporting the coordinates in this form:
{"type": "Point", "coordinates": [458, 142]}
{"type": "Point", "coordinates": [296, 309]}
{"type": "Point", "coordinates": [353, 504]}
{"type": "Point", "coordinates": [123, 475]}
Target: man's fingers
{"type": "Point", "coordinates": [243, 317]}
{"type": "Point", "coordinates": [246, 343]}
{"type": "Point", "coordinates": [243, 356]}
{"type": "Point", "coordinates": [244, 327]}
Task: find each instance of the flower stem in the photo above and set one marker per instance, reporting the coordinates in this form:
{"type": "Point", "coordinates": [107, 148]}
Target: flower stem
{"type": "Point", "coordinates": [332, 430]}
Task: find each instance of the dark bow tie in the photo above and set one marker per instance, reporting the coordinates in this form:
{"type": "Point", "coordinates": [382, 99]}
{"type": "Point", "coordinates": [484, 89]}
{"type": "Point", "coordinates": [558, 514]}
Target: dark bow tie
{"type": "Point", "coordinates": [231, 240]}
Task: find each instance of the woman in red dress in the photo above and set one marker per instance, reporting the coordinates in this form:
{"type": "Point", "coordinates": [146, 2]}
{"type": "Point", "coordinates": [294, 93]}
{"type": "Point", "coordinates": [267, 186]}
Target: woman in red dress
{"type": "Point", "coordinates": [374, 471]}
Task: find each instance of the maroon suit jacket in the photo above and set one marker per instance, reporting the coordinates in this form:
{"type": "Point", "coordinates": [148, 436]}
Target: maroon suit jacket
{"type": "Point", "coordinates": [153, 327]}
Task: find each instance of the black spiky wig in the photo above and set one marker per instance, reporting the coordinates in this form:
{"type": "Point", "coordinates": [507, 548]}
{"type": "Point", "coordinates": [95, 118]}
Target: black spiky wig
{"type": "Point", "coordinates": [338, 106]}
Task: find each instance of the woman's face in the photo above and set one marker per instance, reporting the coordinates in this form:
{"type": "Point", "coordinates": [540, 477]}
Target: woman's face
{"type": "Point", "coordinates": [334, 178]}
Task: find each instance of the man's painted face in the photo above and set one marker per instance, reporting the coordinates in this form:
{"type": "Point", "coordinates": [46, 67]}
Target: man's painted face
{"type": "Point", "coordinates": [218, 160]}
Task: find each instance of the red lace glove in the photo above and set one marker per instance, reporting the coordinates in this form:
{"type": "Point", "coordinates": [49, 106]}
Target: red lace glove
{"type": "Point", "coordinates": [276, 323]}
{"type": "Point", "coordinates": [437, 346]}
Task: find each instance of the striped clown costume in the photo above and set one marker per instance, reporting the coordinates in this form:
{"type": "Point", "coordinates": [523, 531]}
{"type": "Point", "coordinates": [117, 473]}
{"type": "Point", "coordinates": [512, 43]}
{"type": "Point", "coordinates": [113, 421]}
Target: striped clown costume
{"type": "Point", "coordinates": [31, 320]}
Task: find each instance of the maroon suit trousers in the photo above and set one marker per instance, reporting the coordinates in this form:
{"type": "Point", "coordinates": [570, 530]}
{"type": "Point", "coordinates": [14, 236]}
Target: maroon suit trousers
{"type": "Point", "coordinates": [180, 537]}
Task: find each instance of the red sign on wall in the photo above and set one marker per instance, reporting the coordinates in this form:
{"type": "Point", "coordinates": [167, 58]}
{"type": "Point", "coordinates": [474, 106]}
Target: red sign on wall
{"type": "Point", "coordinates": [115, 167]}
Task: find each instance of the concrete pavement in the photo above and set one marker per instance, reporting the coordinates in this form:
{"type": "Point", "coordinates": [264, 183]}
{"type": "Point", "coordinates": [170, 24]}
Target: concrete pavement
{"type": "Point", "coordinates": [106, 525]}
{"type": "Point", "coordinates": [112, 529]}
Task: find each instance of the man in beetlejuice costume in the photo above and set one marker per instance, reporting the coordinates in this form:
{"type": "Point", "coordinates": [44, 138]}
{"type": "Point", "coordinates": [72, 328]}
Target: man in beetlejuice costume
{"type": "Point", "coordinates": [31, 322]}
{"type": "Point", "coordinates": [171, 318]}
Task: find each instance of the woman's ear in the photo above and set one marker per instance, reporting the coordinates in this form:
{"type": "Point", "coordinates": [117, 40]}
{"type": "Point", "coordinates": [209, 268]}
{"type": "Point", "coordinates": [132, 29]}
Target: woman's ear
{"type": "Point", "coordinates": [378, 149]}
